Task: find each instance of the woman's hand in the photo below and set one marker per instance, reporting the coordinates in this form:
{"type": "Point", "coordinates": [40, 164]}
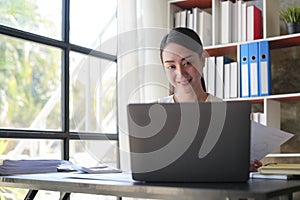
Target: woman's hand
{"type": "Point", "coordinates": [255, 165]}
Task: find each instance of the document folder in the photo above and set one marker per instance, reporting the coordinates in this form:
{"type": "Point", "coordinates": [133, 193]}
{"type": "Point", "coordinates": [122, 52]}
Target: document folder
{"type": "Point", "coordinates": [253, 67]}
{"type": "Point", "coordinates": [244, 70]}
{"type": "Point", "coordinates": [220, 62]}
{"type": "Point", "coordinates": [234, 80]}
{"type": "Point", "coordinates": [264, 68]}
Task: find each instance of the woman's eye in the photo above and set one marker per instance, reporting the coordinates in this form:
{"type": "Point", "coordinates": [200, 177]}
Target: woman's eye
{"type": "Point", "coordinates": [171, 67]}
{"type": "Point", "coordinates": [187, 63]}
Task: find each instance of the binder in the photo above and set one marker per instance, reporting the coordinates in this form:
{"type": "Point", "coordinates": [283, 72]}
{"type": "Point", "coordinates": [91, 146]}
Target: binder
{"type": "Point", "coordinates": [227, 81]}
{"type": "Point", "coordinates": [211, 75]}
{"type": "Point", "coordinates": [239, 20]}
{"type": "Point", "coordinates": [220, 62]}
{"type": "Point", "coordinates": [189, 20]}
{"type": "Point", "coordinates": [205, 27]}
{"type": "Point", "coordinates": [253, 69]}
{"type": "Point", "coordinates": [264, 68]}
{"type": "Point", "coordinates": [244, 22]}
{"type": "Point", "coordinates": [196, 21]}
{"type": "Point", "coordinates": [233, 80]}
{"type": "Point", "coordinates": [254, 23]}
{"type": "Point", "coordinates": [244, 71]}
{"type": "Point", "coordinates": [226, 22]}
{"type": "Point", "coordinates": [205, 73]}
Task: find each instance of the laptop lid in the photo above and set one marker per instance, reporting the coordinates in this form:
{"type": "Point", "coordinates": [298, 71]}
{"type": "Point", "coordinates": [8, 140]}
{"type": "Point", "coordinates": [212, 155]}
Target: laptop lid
{"type": "Point", "coordinates": [190, 142]}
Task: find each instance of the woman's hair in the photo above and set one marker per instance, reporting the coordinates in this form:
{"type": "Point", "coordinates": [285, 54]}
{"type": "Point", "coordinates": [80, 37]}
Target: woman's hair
{"type": "Point", "coordinates": [185, 37]}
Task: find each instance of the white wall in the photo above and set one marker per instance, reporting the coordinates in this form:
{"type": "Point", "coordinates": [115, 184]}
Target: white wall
{"type": "Point", "coordinates": [141, 26]}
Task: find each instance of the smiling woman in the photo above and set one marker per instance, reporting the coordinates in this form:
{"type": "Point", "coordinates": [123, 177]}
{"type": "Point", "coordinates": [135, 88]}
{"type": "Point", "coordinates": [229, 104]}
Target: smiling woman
{"type": "Point", "coordinates": [183, 59]}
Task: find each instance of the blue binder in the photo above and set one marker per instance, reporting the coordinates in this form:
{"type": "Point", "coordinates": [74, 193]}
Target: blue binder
{"type": "Point", "coordinates": [244, 71]}
{"type": "Point", "coordinates": [264, 68]}
{"type": "Point", "coordinates": [253, 69]}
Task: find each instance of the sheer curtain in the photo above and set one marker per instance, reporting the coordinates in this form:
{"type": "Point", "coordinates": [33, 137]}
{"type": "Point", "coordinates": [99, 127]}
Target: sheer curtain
{"type": "Point", "coordinates": [141, 26]}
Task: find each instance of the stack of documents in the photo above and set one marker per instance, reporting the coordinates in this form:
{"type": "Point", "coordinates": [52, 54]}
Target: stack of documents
{"type": "Point", "coordinates": [10, 167]}
{"type": "Point", "coordinates": [290, 169]}
{"type": "Point", "coordinates": [277, 171]}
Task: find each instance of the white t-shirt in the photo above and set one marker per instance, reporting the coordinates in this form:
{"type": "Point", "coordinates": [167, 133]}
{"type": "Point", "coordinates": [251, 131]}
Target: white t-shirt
{"type": "Point", "coordinates": [170, 99]}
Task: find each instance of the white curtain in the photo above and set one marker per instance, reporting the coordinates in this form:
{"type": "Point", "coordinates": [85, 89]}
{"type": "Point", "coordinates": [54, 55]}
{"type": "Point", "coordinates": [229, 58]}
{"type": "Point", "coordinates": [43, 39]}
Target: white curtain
{"type": "Point", "coordinates": [141, 26]}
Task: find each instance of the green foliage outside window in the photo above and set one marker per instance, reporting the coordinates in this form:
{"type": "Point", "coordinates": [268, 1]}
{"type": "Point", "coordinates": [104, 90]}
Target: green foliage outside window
{"type": "Point", "coordinates": [28, 71]}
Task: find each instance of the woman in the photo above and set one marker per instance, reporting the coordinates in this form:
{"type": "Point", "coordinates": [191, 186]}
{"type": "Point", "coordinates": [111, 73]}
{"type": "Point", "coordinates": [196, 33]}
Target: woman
{"type": "Point", "coordinates": [181, 53]}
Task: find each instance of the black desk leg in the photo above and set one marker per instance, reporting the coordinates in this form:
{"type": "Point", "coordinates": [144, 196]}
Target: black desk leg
{"type": "Point", "coordinates": [31, 194]}
{"type": "Point", "coordinates": [66, 196]}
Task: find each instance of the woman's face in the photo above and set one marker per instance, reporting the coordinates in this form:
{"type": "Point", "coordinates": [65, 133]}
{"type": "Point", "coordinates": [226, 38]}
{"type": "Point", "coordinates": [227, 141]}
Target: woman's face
{"type": "Point", "coordinates": [183, 68]}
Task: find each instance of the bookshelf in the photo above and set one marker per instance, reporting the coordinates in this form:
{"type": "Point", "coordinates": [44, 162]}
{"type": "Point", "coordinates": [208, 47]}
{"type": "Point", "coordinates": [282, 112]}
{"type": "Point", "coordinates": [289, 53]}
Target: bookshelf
{"type": "Point", "coordinates": [282, 105]}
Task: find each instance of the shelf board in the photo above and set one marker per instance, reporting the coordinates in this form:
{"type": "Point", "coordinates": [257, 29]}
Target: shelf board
{"type": "Point", "coordinates": [188, 4]}
{"type": "Point", "coordinates": [276, 97]}
{"type": "Point", "coordinates": [285, 97]}
{"type": "Point", "coordinates": [249, 99]}
{"type": "Point", "coordinates": [223, 49]}
{"type": "Point", "coordinates": [277, 42]}
{"type": "Point", "coordinates": [284, 41]}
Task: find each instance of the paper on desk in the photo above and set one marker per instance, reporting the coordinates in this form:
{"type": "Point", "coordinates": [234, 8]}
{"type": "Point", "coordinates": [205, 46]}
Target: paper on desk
{"type": "Point", "coordinates": [266, 139]}
{"type": "Point", "coordinates": [123, 177]}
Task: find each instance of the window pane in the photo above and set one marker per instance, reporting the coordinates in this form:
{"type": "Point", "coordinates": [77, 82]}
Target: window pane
{"type": "Point", "coordinates": [92, 94]}
{"type": "Point", "coordinates": [30, 148]}
{"type": "Point", "coordinates": [93, 24]}
{"type": "Point", "coordinates": [39, 16]}
{"type": "Point", "coordinates": [26, 149]}
{"type": "Point", "coordinates": [30, 82]}
{"type": "Point", "coordinates": [91, 153]}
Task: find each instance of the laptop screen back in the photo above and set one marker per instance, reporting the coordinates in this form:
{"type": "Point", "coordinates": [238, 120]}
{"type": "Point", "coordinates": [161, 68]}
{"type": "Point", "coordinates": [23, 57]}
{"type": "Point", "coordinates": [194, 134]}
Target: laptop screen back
{"type": "Point", "coordinates": [190, 142]}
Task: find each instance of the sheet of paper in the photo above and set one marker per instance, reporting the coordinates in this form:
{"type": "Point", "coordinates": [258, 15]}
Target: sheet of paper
{"type": "Point", "coordinates": [124, 176]}
{"type": "Point", "coordinates": [265, 140]}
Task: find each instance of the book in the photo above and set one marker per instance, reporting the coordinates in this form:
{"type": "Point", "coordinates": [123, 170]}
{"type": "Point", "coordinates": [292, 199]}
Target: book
{"type": "Point", "coordinates": [288, 169]}
{"type": "Point", "coordinates": [196, 20]}
{"type": "Point", "coordinates": [254, 23]}
{"type": "Point", "coordinates": [234, 77]}
{"type": "Point", "coordinates": [258, 175]}
{"type": "Point", "coordinates": [226, 22]}
{"type": "Point", "coordinates": [239, 19]}
{"type": "Point", "coordinates": [205, 27]}
{"type": "Point", "coordinates": [183, 18]}
{"type": "Point", "coordinates": [219, 75]}
{"type": "Point", "coordinates": [227, 81]}
{"type": "Point", "coordinates": [244, 22]}
{"type": "Point", "coordinates": [205, 73]}
{"type": "Point", "coordinates": [190, 20]}
{"type": "Point", "coordinates": [211, 75]}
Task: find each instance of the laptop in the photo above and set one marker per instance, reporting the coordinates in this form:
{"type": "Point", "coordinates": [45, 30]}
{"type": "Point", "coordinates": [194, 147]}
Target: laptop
{"type": "Point", "coordinates": [190, 142]}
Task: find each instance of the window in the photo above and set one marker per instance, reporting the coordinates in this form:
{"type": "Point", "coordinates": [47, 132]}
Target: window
{"type": "Point", "coordinates": [58, 80]}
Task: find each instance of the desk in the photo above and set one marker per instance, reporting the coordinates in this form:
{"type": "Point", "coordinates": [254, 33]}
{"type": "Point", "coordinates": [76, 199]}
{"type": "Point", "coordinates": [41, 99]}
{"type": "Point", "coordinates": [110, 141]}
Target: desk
{"type": "Point", "coordinates": [253, 189]}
